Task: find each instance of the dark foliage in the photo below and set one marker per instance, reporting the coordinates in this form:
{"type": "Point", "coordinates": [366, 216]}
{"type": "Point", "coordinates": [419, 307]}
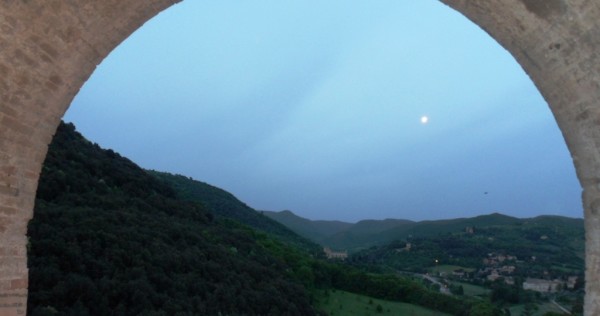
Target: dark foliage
{"type": "Point", "coordinates": [224, 205]}
{"type": "Point", "coordinates": [388, 287]}
{"type": "Point", "coordinates": [545, 247]}
{"type": "Point", "coordinates": [108, 238]}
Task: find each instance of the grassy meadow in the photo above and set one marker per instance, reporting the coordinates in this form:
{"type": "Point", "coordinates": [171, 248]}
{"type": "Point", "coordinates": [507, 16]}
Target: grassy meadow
{"type": "Point", "coordinates": [341, 303]}
{"type": "Point", "coordinates": [538, 310]}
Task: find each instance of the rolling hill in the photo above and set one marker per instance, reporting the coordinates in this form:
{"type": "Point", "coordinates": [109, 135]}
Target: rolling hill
{"type": "Point", "coordinates": [368, 233]}
{"type": "Point", "coordinates": [316, 231]}
{"type": "Point", "coordinates": [225, 205]}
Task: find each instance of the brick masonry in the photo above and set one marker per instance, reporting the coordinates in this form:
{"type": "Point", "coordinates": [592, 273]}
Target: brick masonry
{"type": "Point", "coordinates": [49, 48]}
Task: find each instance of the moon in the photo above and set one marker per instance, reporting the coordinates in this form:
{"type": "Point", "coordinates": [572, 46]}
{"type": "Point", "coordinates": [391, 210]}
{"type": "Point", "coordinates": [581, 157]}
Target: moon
{"type": "Point", "coordinates": [424, 119]}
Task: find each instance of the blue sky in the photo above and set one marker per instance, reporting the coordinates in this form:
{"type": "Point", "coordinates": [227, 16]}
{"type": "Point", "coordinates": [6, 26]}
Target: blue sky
{"type": "Point", "coordinates": [315, 107]}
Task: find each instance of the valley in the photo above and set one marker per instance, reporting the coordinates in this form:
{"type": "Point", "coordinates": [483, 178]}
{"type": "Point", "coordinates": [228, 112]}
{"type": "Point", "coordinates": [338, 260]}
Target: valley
{"type": "Point", "coordinates": [110, 238]}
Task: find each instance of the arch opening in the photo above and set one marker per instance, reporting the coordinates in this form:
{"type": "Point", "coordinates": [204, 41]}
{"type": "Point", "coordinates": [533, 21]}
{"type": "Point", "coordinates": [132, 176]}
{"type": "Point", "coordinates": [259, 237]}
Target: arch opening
{"type": "Point", "coordinates": [44, 62]}
{"type": "Point", "coordinates": [309, 113]}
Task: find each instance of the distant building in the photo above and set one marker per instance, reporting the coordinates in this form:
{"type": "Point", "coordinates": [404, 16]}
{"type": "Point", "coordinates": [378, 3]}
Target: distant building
{"type": "Point", "coordinates": [507, 269]}
{"type": "Point", "coordinates": [335, 254]}
{"type": "Point", "coordinates": [494, 275]}
{"type": "Point", "coordinates": [494, 259]}
{"type": "Point", "coordinates": [406, 248]}
{"type": "Point", "coordinates": [509, 280]}
{"type": "Point", "coordinates": [571, 281]}
{"type": "Point", "coordinates": [543, 286]}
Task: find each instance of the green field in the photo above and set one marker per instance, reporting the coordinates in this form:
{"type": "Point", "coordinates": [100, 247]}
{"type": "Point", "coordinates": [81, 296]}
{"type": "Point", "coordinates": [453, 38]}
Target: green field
{"type": "Point", "coordinates": [340, 303]}
{"type": "Point", "coordinates": [473, 290]}
{"type": "Point", "coordinates": [542, 309]}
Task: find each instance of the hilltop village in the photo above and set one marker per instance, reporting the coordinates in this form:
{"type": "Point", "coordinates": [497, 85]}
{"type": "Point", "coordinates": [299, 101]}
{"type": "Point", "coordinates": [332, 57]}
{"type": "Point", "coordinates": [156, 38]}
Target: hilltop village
{"type": "Point", "coordinates": [532, 270]}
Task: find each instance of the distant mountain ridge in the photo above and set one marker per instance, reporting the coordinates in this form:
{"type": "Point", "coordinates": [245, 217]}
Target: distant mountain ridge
{"type": "Point", "coordinates": [314, 230]}
{"type": "Point", "coordinates": [367, 233]}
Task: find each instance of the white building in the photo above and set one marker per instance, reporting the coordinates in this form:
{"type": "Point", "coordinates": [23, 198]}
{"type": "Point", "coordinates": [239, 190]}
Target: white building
{"type": "Point", "coordinates": [335, 254]}
{"type": "Point", "coordinates": [543, 286]}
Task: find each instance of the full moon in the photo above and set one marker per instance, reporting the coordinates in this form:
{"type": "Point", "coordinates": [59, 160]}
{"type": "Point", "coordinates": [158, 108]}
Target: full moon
{"type": "Point", "coordinates": [424, 119]}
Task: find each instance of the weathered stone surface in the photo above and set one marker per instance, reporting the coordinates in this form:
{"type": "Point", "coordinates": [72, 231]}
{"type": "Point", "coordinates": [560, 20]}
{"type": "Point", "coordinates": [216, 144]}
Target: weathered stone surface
{"type": "Point", "coordinates": [13, 303]}
{"type": "Point", "coordinates": [49, 48]}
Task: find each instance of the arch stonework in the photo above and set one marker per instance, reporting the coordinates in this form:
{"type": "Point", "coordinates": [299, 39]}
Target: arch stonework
{"type": "Point", "coordinates": [49, 48]}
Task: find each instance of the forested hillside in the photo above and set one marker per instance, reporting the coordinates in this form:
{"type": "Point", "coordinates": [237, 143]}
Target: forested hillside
{"type": "Point", "coordinates": [224, 205]}
{"type": "Point", "coordinates": [108, 238]}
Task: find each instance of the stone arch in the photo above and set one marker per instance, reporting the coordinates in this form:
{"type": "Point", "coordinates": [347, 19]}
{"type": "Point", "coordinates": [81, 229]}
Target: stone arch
{"type": "Point", "coordinates": [49, 48]}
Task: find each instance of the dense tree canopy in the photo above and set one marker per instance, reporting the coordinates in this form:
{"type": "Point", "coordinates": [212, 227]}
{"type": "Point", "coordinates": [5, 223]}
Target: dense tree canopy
{"type": "Point", "coordinates": [108, 238]}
